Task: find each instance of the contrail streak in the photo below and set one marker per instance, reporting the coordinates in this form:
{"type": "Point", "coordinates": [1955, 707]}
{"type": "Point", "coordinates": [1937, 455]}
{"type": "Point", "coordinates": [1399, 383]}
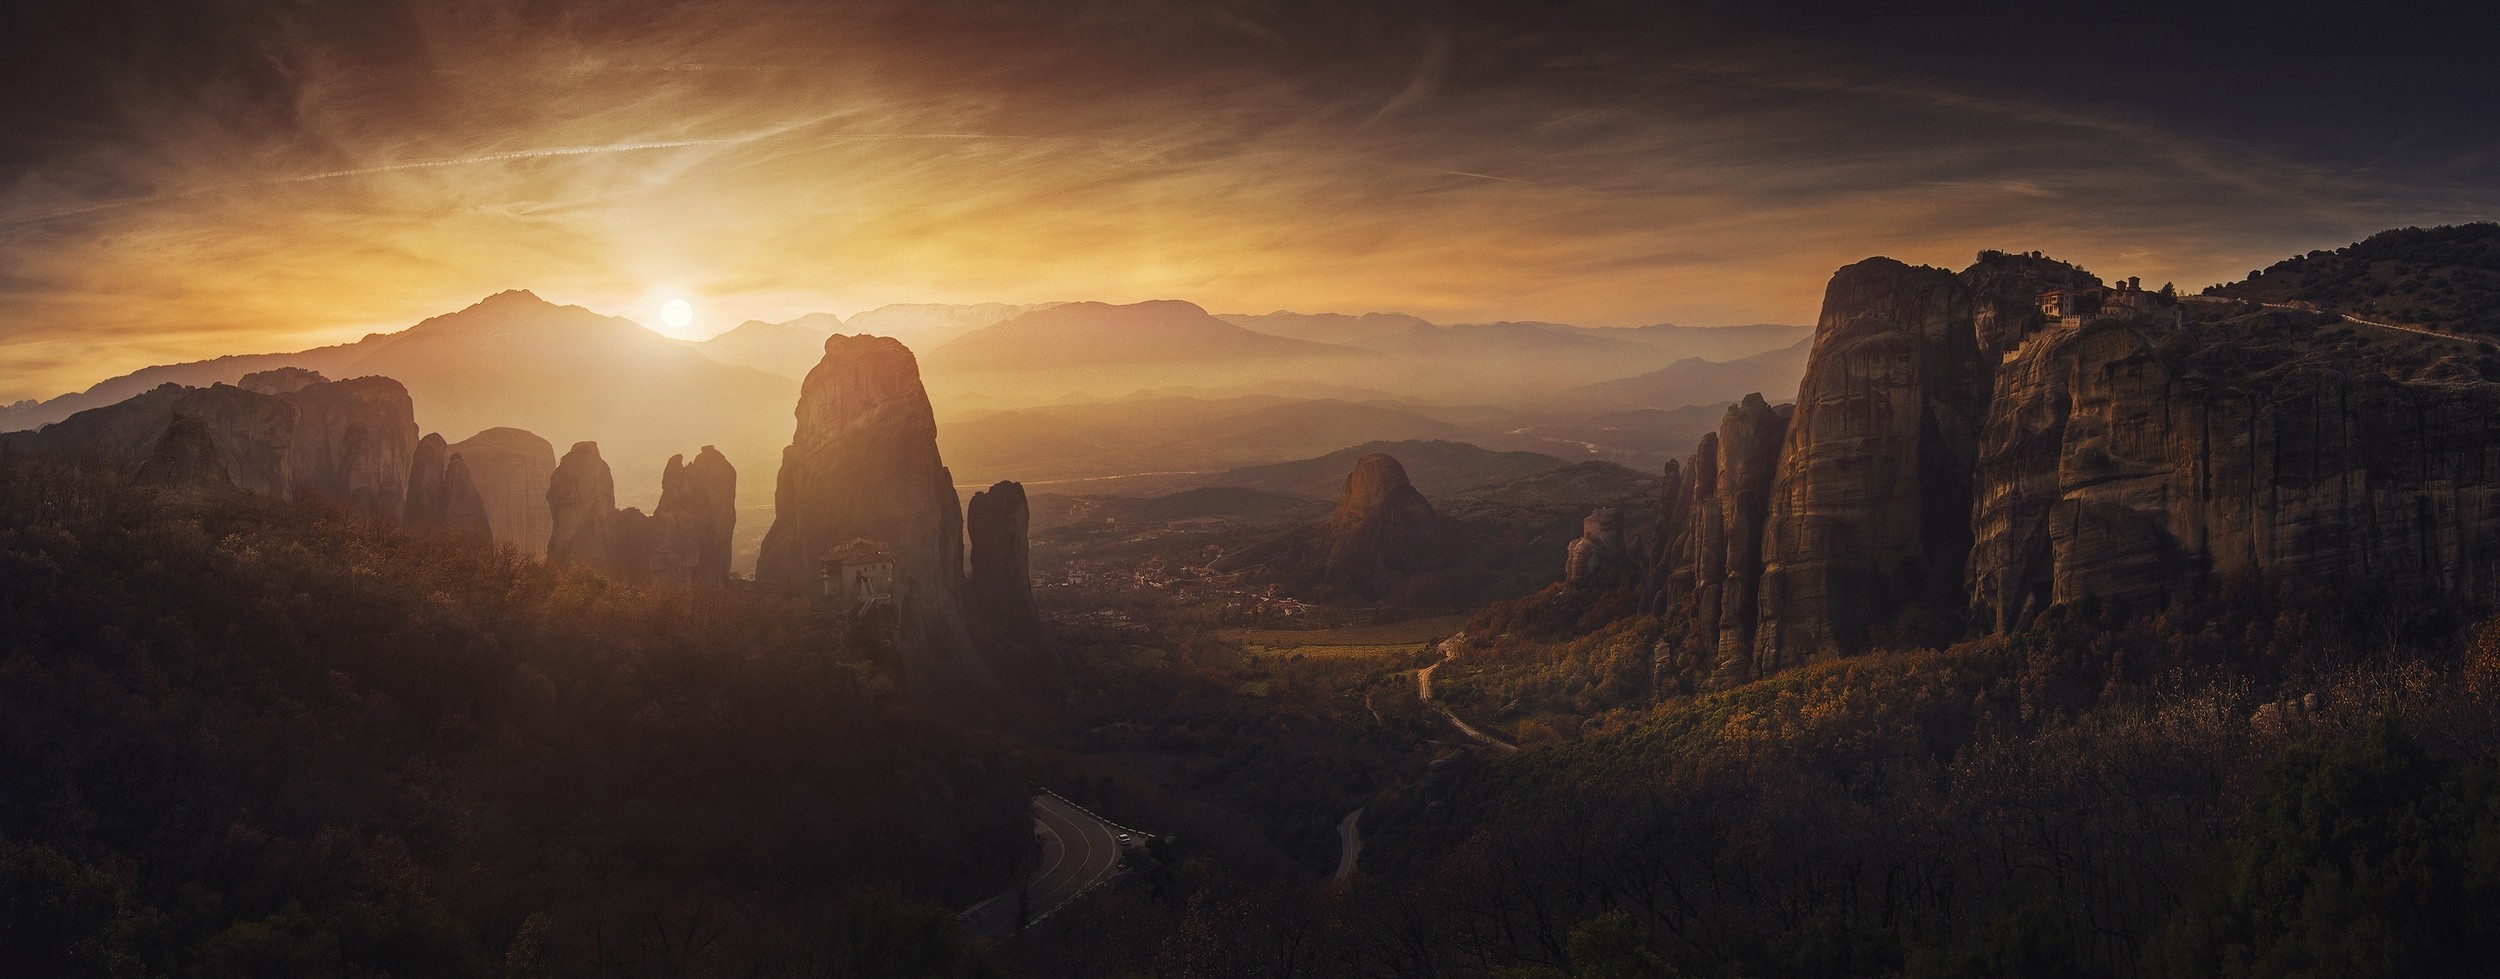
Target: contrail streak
{"type": "Point", "coordinates": [1479, 176]}
{"type": "Point", "coordinates": [461, 161]}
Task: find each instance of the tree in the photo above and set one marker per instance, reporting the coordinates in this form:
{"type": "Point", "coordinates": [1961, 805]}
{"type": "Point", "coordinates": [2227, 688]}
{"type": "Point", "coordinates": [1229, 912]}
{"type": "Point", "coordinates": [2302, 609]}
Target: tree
{"type": "Point", "coordinates": [2363, 857]}
{"type": "Point", "coordinates": [1608, 947]}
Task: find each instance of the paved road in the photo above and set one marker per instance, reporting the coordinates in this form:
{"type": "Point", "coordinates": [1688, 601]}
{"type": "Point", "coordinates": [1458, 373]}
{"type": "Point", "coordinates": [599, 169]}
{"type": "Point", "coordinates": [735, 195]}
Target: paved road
{"type": "Point", "coordinates": [1349, 846]}
{"type": "Point", "coordinates": [1423, 692]}
{"type": "Point", "coordinates": [1078, 851]}
{"type": "Point", "coordinates": [2350, 318]}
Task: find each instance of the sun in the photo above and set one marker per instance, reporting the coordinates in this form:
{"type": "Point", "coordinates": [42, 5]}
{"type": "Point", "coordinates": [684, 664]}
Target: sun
{"type": "Point", "coordinates": [677, 313]}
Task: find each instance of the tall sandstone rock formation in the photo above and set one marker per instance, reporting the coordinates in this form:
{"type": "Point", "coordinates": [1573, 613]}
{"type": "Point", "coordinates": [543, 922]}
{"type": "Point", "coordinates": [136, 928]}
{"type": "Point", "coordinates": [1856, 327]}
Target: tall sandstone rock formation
{"type": "Point", "coordinates": [863, 464]}
{"type": "Point", "coordinates": [443, 494]}
{"type": "Point", "coordinates": [185, 456]}
{"type": "Point", "coordinates": [1959, 459]}
{"type": "Point", "coordinates": [354, 439]}
{"type": "Point", "coordinates": [581, 506]}
{"type": "Point", "coordinates": [295, 436]}
{"type": "Point", "coordinates": [1750, 437]}
{"type": "Point", "coordinates": [2148, 463]}
{"type": "Point", "coordinates": [697, 513]}
{"type": "Point", "coordinates": [998, 523]}
{"type": "Point", "coordinates": [1871, 504]}
{"type": "Point", "coordinates": [1382, 532]}
{"type": "Point", "coordinates": [425, 482]}
{"type": "Point", "coordinates": [464, 509]}
{"type": "Point", "coordinates": [511, 469]}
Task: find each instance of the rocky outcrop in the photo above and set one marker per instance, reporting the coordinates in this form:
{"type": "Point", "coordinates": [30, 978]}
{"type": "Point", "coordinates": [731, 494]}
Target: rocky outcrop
{"type": "Point", "coordinates": [354, 442]}
{"type": "Point", "coordinates": [425, 482]}
{"type": "Point", "coordinates": [697, 513]}
{"type": "Point", "coordinates": [511, 470]}
{"type": "Point", "coordinates": [1871, 504]}
{"type": "Point", "coordinates": [298, 437]}
{"type": "Point", "coordinates": [185, 455]}
{"type": "Point", "coordinates": [1000, 588]}
{"type": "Point", "coordinates": [581, 509]}
{"type": "Point", "coordinates": [1966, 452]}
{"type": "Point", "coordinates": [863, 465]}
{"type": "Point", "coordinates": [463, 508]}
{"type": "Point", "coordinates": [1382, 532]}
{"type": "Point", "coordinates": [684, 539]}
{"type": "Point", "coordinates": [2146, 463]}
{"type": "Point", "coordinates": [2005, 297]}
{"type": "Point", "coordinates": [1749, 449]}
{"type": "Point", "coordinates": [1598, 548]}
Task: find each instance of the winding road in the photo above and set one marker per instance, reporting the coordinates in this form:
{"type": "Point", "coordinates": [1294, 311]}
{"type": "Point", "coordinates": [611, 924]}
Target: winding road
{"type": "Point", "coordinates": [2307, 307]}
{"type": "Point", "coordinates": [1079, 850]}
{"type": "Point", "coordinates": [1423, 692]}
{"type": "Point", "coordinates": [1349, 846]}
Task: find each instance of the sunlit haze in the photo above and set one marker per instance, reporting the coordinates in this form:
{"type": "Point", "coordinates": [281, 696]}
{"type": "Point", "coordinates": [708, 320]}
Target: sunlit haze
{"type": "Point", "coordinates": [278, 176]}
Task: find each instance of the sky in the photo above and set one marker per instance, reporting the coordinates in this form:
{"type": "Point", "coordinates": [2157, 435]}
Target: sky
{"type": "Point", "coordinates": [186, 178]}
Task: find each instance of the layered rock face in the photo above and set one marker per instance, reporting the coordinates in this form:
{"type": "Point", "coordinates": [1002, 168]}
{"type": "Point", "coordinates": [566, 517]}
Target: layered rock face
{"type": "Point", "coordinates": [443, 494]}
{"type": "Point", "coordinates": [511, 470]}
{"type": "Point", "coordinates": [354, 439]}
{"type": "Point", "coordinates": [1382, 531]}
{"type": "Point", "coordinates": [1959, 458]}
{"type": "Point", "coordinates": [698, 510]}
{"type": "Point", "coordinates": [864, 465]}
{"type": "Point", "coordinates": [185, 455]}
{"type": "Point", "coordinates": [1872, 498]}
{"type": "Point", "coordinates": [2147, 463]}
{"type": "Point", "coordinates": [350, 442]}
{"type": "Point", "coordinates": [1000, 588]}
{"type": "Point", "coordinates": [581, 506]}
{"type": "Point", "coordinates": [463, 508]}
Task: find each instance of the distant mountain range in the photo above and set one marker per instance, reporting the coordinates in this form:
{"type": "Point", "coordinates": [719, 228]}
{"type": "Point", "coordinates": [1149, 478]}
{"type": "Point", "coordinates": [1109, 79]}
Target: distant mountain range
{"type": "Point", "coordinates": [514, 360]}
{"type": "Point", "coordinates": [1694, 381]}
{"type": "Point", "coordinates": [1087, 335]}
{"type": "Point", "coordinates": [788, 349]}
{"type": "Point", "coordinates": [1325, 381]}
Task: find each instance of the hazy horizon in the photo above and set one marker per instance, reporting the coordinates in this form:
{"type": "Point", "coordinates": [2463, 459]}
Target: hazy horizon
{"type": "Point", "coordinates": [266, 177]}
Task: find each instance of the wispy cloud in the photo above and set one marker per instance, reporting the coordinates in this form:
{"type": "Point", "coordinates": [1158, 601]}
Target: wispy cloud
{"type": "Point", "coordinates": [359, 169]}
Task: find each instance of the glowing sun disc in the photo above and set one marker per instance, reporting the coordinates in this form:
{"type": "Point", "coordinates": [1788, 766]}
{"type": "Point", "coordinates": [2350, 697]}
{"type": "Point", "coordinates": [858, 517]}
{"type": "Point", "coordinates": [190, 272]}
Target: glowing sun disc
{"type": "Point", "coordinates": [676, 313]}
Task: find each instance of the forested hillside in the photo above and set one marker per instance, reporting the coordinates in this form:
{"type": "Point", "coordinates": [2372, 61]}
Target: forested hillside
{"type": "Point", "coordinates": [248, 738]}
{"type": "Point", "coordinates": [2446, 278]}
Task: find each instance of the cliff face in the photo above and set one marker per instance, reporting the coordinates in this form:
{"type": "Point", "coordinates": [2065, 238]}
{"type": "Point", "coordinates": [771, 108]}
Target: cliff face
{"type": "Point", "coordinates": [425, 482]}
{"type": "Point", "coordinates": [1749, 451]}
{"type": "Point", "coordinates": [511, 470]}
{"type": "Point", "coordinates": [297, 436]}
{"type": "Point", "coordinates": [1382, 531]}
{"type": "Point", "coordinates": [998, 523]}
{"type": "Point", "coordinates": [864, 464]}
{"type": "Point", "coordinates": [581, 505]}
{"type": "Point", "coordinates": [185, 455]}
{"type": "Point", "coordinates": [1961, 458]}
{"type": "Point", "coordinates": [2147, 463]}
{"type": "Point", "coordinates": [698, 510]}
{"type": "Point", "coordinates": [354, 441]}
{"type": "Point", "coordinates": [463, 508]}
{"type": "Point", "coordinates": [1872, 497]}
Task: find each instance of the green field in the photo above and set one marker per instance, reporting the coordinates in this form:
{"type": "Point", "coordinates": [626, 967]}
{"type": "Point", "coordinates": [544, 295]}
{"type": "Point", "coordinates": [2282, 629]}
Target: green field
{"type": "Point", "coordinates": [1361, 640]}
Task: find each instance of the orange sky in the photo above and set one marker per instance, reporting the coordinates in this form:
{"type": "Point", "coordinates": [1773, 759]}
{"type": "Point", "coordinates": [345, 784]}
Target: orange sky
{"type": "Point", "coordinates": [314, 179]}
